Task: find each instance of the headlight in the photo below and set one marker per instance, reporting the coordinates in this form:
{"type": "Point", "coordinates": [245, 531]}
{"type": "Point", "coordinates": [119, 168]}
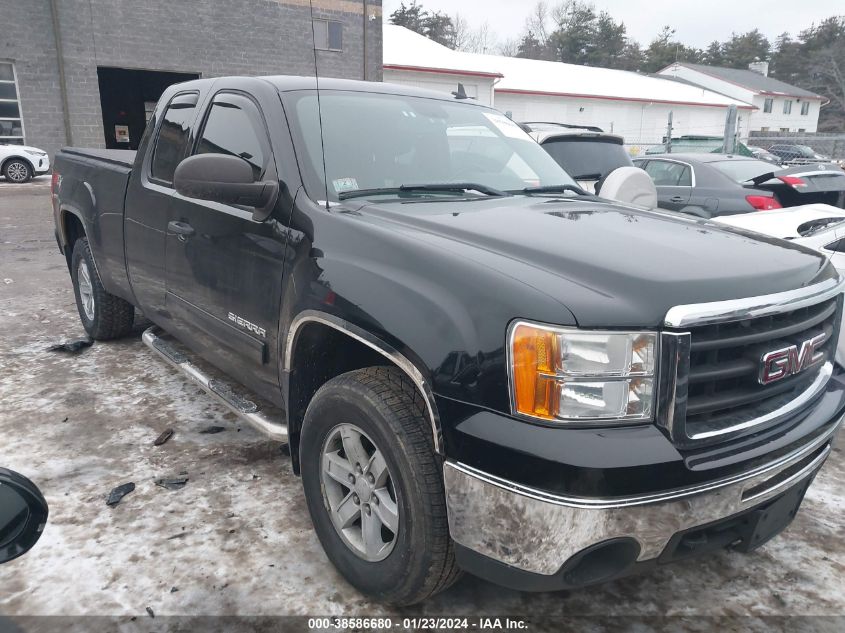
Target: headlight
{"type": "Point", "coordinates": [582, 376]}
{"type": "Point", "coordinates": [34, 152]}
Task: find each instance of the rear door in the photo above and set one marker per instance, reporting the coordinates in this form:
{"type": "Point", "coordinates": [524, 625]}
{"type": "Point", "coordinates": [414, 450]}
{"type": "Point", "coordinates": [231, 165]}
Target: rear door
{"type": "Point", "coordinates": [673, 181]}
{"type": "Point", "coordinates": [224, 269]}
{"type": "Point", "coordinates": [148, 200]}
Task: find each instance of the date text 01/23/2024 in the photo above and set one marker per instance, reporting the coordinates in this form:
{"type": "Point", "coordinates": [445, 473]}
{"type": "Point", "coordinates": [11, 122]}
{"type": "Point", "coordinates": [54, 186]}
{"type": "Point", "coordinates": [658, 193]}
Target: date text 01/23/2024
{"type": "Point", "coordinates": [416, 624]}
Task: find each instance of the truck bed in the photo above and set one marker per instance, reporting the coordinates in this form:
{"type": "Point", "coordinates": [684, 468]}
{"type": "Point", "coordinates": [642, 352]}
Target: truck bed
{"type": "Point", "coordinates": [123, 157]}
{"type": "Point", "coordinates": [93, 185]}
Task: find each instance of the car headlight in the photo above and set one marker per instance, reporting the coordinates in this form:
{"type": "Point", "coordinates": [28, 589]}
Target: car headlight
{"type": "Point", "coordinates": [569, 375]}
{"type": "Point", "coordinates": [34, 152]}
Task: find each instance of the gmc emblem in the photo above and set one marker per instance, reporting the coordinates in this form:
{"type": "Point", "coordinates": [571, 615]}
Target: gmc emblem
{"type": "Point", "coordinates": [780, 363]}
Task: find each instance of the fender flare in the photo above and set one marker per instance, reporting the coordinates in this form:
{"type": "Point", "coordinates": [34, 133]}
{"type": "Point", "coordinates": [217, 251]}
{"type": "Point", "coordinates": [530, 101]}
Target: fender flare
{"type": "Point", "coordinates": [377, 344]}
{"type": "Point", "coordinates": [21, 158]}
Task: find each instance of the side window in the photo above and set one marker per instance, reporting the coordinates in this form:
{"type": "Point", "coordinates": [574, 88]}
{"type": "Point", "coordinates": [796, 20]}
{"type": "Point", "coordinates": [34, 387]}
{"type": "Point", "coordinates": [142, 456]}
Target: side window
{"type": "Point", "coordinates": [667, 174]}
{"type": "Point", "coordinates": [172, 136]}
{"type": "Point", "coordinates": [234, 126]}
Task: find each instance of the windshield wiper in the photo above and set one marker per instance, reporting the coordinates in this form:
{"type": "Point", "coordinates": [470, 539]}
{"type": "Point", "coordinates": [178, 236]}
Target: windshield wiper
{"type": "Point", "coordinates": [554, 189]}
{"type": "Point", "coordinates": [447, 187]}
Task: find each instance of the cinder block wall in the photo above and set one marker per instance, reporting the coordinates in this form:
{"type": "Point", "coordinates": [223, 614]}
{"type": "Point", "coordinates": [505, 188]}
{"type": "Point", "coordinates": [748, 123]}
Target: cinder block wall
{"type": "Point", "coordinates": [209, 37]}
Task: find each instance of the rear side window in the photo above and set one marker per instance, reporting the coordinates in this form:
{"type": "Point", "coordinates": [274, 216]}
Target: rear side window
{"type": "Point", "coordinates": [588, 159]}
{"type": "Point", "coordinates": [666, 174]}
{"type": "Point", "coordinates": [173, 136]}
{"type": "Point", "coordinates": [234, 126]}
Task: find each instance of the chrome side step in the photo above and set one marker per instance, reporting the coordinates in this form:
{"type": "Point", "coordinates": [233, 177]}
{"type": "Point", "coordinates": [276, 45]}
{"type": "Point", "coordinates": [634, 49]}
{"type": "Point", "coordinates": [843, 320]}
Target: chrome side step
{"type": "Point", "coordinates": [245, 409]}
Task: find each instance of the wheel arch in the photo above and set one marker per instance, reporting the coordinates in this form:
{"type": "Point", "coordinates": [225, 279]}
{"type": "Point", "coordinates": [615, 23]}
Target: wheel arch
{"type": "Point", "coordinates": [320, 346]}
{"type": "Point", "coordinates": [71, 229]}
{"type": "Point", "coordinates": [20, 158]}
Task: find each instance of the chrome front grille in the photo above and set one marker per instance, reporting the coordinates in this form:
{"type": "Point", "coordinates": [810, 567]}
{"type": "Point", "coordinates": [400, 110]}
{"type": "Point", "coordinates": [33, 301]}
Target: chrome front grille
{"type": "Point", "coordinates": [711, 386]}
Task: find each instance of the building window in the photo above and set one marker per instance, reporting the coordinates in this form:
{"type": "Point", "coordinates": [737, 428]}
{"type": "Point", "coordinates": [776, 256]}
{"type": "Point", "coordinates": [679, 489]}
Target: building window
{"type": "Point", "coordinates": [802, 129]}
{"type": "Point", "coordinates": [805, 108]}
{"type": "Point", "coordinates": [11, 123]}
{"type": "Point", "coordinates": [764, 129]}
{"type": "Point", "coordinates": [784, 129]}
{"type": "Point", "coordinates": [767, 105]}
{"type": "Point", "coordinates": [787, 106]}
{"type": "Point", "coordinates": [328, 35]}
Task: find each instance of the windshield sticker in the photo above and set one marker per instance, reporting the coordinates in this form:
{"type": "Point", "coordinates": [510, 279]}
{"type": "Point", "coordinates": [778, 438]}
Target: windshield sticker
{"type": "Point", "coordinates": [344, 184]}
{"type": "Point", "coordinates": [505, 125]}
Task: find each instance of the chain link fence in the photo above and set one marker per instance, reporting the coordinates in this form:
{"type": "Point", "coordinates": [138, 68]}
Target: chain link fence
{"type": "Point", "coordinates": [792, 146]}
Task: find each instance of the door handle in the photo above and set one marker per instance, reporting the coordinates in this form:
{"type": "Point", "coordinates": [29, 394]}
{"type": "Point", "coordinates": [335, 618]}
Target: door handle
{"type": "Point", "coordinates": [677, 199]}
{"type": "Point", "coordinates": [182, 229]}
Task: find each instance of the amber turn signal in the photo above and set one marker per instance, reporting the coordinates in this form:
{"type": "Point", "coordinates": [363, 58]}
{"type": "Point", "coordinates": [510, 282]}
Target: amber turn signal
{"type": "Point", "coordinates": [534, 351]}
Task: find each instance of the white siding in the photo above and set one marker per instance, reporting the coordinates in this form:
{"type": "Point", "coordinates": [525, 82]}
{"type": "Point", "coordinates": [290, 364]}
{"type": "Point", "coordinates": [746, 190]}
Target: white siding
{"type": "Point", "coordinates": [640, 123]}
{"type": "Point", "coordinates": [777, 119]}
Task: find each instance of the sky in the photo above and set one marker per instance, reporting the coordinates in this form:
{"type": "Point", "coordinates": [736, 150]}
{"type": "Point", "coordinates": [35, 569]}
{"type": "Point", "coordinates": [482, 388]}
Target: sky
{"type": "Point", "coordinates": [696, 23]}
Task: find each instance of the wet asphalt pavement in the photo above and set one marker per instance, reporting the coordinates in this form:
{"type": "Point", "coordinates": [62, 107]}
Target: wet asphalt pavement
{"type": "Point", "coordinates": [236, 538]}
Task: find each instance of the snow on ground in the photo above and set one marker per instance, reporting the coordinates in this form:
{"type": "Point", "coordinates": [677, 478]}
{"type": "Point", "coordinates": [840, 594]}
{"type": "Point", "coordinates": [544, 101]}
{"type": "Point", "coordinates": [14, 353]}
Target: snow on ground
{"type": "Point", "coordinates": [237, 540]}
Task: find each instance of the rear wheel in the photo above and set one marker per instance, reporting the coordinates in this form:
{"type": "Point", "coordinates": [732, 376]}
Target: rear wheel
{"type": "Point", "coordinates": [17, 171]}
{"type": "Point", "coordinates": [374, 486]}
{"type": "Point", "coordinates": [103, 315]}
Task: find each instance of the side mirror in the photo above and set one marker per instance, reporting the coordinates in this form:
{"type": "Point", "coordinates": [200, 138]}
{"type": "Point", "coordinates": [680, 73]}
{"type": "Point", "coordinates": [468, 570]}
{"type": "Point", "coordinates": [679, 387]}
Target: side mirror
{"type": "Point", "coordinates": [23, 515]}
{"type": "Point", "coordinates": [227, 179]}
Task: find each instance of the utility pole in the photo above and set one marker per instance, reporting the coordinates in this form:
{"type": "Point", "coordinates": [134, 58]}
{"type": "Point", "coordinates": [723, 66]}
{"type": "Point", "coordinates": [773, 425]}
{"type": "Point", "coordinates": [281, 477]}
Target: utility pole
{"type": "Point", "coordinates": [669, 134]}
{"type": "Point", "coordinates": [730, 131]}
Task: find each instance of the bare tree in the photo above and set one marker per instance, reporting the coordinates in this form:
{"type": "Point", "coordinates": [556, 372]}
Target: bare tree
{"type": "Point", "coordinates": [537, 23]}
{"type": "Point", "coordinates": [508, 47]}
{"type": "Point", "coordinates": [461, 32]}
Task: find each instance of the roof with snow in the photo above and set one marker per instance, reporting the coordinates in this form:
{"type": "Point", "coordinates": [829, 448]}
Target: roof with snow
{"type": "Point", "coordinates": [406, 50]}
{"type": "Point", "coordinates": [749, 79]}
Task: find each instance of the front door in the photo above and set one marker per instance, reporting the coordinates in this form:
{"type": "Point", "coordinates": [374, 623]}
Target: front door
{"type": "Point", "coordinates": [224, 269]}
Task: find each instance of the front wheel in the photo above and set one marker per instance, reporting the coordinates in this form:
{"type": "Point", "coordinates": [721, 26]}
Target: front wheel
{"type": "Point", "coordinates": [17, 171]}
{"type": "Point", "coordinates": [374, 486]}
{"type": "Point", "coordinates": [103, 315]}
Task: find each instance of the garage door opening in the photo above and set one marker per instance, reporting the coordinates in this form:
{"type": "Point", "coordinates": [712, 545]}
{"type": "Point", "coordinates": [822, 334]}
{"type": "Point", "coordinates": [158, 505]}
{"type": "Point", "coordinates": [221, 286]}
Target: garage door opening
{"type": "Point", "coordinates": [127, 98]}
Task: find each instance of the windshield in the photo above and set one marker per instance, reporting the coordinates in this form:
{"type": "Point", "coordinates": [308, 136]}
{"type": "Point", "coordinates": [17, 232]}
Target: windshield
{"type": "Point", "coordinates": [587, 159]}
{"type": "Point", "coordinates": [379, 141]}
{"type": "Point", "coordinates": [743, 170]}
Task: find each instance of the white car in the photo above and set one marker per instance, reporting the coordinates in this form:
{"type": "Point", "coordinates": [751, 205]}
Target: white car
{"type": "Point", "coordinates": [19, 163]}
{"type": "Point", "coordinates": [817, 226]}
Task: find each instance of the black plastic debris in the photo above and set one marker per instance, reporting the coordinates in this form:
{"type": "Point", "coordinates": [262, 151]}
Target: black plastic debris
{"type": "Point", "coordinates": [118, 493]}
{"type": "Point", "coordinates": [172, 483]}
{"type": "Point", "coordinates": [174, 589]}
{"type": "Point", "coordinates": [178, 535]}
{"type": "Point", "coordinates": [71, 347]}
{"type": "Point", "coordinates": [209, 430]}
{"type": "Point", "coordinates": [151, 612]}
{"type": "Point", "coordinates": [165, 435]}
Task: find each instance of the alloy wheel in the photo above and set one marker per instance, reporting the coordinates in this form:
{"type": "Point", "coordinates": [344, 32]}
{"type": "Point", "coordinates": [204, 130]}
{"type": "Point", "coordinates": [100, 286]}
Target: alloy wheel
{"type": "Point", "coordinates": [359, 492]}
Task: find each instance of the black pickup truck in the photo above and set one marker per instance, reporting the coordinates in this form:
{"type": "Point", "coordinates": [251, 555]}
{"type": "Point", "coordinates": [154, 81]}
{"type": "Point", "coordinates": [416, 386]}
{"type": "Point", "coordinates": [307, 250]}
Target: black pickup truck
{"type": "Point", "coordinates": [477, 365]}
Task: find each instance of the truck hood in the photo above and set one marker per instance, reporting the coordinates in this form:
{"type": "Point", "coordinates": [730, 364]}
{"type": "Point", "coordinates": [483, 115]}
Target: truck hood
{"type": "Point", "coordinates": [610, 265]}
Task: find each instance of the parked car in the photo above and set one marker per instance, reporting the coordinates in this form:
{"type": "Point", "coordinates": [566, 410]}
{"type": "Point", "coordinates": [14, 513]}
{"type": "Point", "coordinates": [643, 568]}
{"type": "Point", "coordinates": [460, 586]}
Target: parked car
{"type": "Point", "coordinates": [817, 226]}
{"type": "Point", "coordinates": [698, 144]}
{"type": "Point", "coordinates": [760, 154]}
{"type": "Point", "coordinates": [797, 154]}
{"type": "Point", "coordinates": [23, 515]}
{"type": "Point", "coordinates": [522, 381]}
{"type": "Point", "coordinates": [19, 163]}
{"type": "Point", "coordinates": [585, 152]}
{"type": "Point", "coordinates": [710, 185]}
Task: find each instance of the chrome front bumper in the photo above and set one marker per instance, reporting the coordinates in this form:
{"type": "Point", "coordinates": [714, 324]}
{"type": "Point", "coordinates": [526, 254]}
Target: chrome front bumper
{"type": "Point", "coordinates": [538, 532]}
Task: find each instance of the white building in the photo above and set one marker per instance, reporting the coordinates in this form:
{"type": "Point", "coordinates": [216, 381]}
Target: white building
{"type": "Point", "coordinates": [778, 106]}
{"type": "Point", "coordinates": [630, 104]}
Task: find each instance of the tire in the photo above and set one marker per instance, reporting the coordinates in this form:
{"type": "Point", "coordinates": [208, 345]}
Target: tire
{"type": "Point", "coordinates": [384, 405]}
{"type": "Point", "coordinates": [103, 315]}
{"type": "Point", "coordinates": [17, 171]}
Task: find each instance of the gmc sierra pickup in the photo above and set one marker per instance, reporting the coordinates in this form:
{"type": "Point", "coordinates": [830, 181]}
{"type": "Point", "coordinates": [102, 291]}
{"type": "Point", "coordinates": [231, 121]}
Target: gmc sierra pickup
{"type": "Point", "coordinates": [477, 365]}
